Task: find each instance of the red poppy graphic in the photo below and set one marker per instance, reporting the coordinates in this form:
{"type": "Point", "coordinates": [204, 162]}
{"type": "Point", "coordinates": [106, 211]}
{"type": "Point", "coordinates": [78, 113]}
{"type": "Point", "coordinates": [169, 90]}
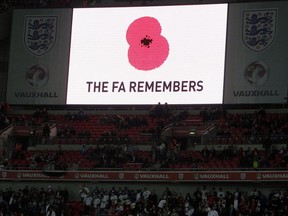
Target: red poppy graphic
{"type": "Point", "coordinates": [148, 48]}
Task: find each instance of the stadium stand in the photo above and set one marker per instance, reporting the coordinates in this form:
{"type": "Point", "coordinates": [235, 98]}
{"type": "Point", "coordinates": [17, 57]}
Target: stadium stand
{"type": "Point", "coordinates": [158, 140]}
{"type": "Point", "coordinates": [141, 201]}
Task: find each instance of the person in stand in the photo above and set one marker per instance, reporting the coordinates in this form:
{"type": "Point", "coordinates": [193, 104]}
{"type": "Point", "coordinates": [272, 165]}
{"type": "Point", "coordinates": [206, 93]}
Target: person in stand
{"type": "Point", "coordinates": [46, 133]}
{"type": "Point", "coordinates": [189, 211]}
{"type": "Point", "coordinates": [212, 211]}
{"type": "Point", "coordinates": [50, 211]}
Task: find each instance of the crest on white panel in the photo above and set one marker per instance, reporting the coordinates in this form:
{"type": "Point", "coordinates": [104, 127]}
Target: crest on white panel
{"type": "Point", "coordinates": [259, 28]}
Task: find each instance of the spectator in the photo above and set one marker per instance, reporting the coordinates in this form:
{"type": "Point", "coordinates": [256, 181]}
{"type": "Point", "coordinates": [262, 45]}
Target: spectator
{"type": "Point", "coordinates": [81, 115]}
{"type": "Point", "coordinates": [146, 193]}
{"type": "Point", "coordinates": [189, 210]}
{"type": "Point", "coordinates": [84, 149]}
{"type": "Point", "coordinates": [50, 211]}
{"type": "Point", "coordinates": [213, 212]}
{"type": "Point", "coordinates": [44, 115]}
{"type": "Point", "coordinates": [220, 193]}
{"type": "Point", "coordinates": [83, 191]}
{"type": "Point", "coordinates": [46, 133]}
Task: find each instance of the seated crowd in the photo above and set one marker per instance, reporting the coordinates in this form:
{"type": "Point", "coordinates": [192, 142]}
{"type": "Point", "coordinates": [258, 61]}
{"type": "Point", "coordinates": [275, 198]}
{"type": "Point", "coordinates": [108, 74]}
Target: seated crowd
{"type": "Point", "coordinates": [34, 201]}
{"type": "Point", "coordinates": [114, 156]}
{"type": "Point", "coordinates": [112, 145]}
{"type": "Point", "coordinates": [126, 201]}
{"type": "Point", "coordinates": [257, 127]}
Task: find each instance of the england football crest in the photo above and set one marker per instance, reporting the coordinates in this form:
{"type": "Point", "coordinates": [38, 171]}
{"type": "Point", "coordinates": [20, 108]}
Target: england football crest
{"type": "Point", "coordinates": [259, 28]}
{"type": "Point", "coordinates": [40, 34]}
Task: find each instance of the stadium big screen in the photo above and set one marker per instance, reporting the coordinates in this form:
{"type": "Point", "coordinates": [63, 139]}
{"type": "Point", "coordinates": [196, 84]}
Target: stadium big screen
{"type": "Point", "coordinates": [185, 54]}
{"type": "Point", "coordinates": [147, 55]}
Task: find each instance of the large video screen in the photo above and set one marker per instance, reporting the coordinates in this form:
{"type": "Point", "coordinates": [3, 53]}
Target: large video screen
{"type": "Point", "coordinates": [146, 55]}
